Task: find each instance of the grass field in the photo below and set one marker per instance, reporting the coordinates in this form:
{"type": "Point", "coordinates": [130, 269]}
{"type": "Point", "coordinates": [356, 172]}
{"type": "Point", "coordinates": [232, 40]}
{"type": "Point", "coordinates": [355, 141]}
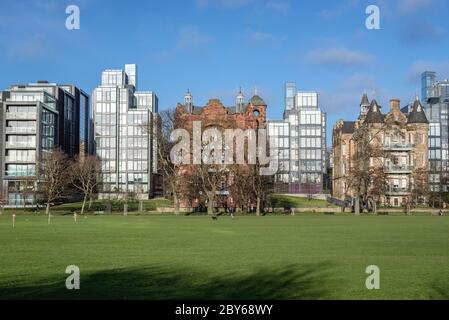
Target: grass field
{"type": "Point", "coordinates": [271, 257]}
{"type": "Point", "coordinates": [281, 201]}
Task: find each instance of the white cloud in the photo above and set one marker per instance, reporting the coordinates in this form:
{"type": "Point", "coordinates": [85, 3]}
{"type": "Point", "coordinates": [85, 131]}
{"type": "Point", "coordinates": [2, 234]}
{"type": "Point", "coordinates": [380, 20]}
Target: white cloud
{"type": "Point", "coordinates": [191, 37]}
{"type": "Point", "coordinates": [223, 3]}
{"type": "Point", "coordinates": [339, 57]}
{"type": "Point", "coordinates": [407, 7]}
{"type": "Point", "coordinates": [278, 6]}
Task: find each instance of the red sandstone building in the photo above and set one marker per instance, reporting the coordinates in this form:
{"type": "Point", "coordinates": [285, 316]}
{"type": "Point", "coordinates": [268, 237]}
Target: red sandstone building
{"type": "Point", "coordinates": [250, 115]}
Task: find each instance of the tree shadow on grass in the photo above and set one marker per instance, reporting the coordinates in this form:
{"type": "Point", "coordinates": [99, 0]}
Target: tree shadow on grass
{"type": "Point", "coordinates": [439, 290]}
{"type": "Point", "coordinates": [160, 283]}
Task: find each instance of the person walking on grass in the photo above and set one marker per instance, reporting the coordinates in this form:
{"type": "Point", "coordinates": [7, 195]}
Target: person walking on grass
{"type": "Point", "coordinates": [232, 212]}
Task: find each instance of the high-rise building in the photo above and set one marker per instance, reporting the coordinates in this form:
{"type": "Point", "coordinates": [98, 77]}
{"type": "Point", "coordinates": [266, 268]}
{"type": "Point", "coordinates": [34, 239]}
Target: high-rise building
{"type": "Point", "coordinates": [307, 140]}
{"type": "Point", "coordinates": [279, 133]}
{"type": "Point", "coordinates": [435, 97]}
{"type": "Point", "coordinates": [290, 95]}
{"type": "Point", "coordinates": [124, 127]}
{"type": "Point", "coordinates": [35, 119]}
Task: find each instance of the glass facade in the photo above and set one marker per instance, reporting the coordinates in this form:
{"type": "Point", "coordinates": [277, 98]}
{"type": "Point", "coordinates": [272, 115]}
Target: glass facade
{"type": "Point", "coordinates": [279, 133]}
{"type": "Point", "coordinates": [436, 102]}
{"type": "Point", "coordinates": [123, 134]}
{"type": "Point", "coordinates": [307, 142]}
{"type": "Point", "coordinates": [290, 95]}
{"type": "Point", "coordinates": [30, 122]}
{"type": "Point", "coordinates": [37, 118]}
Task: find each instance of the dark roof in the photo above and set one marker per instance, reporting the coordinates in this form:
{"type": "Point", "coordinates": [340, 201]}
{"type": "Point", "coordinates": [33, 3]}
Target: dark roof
{"type": "Point", "coordinates": [374, 115]}
{"type": "Point", "coordinates": [365, 100]}
{"type": "Point", "coordinates": [257, 101]}
{"type": "Point", "coordinates": [417, 115]}
{"type": "Point", "coordinates": [199, 110]}
{"type": "Point", "coordinates": [348, 127]}
{"type": "Point", "coordinates": [230, 110]}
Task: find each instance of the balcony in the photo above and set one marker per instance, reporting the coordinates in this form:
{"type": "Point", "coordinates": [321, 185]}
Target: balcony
{"type": "Point", "coordinates": [20, 130]}
{"type": "Point", "coordinates": [20, 116]}
{"type": "Point", "coordinates": [30, 173]}
{"type": "Point", "coordinates": [9, 159]}
{"type": "Point", "coordinates": [398, 169]}
{"type": "Point", "coordinates": [16, 145]}
{"type": "Point", "coordinates": [399, 147]}
{"type": "Point", "coordinates": [397, 191]}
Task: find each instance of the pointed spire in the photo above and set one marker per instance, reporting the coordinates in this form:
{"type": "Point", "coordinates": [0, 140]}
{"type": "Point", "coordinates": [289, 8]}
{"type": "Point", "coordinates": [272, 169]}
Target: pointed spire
{"type": "Point", "coordinates": [374, 115]}
{"type": "Point", "coordinates": [365, 100]}
{"type": "Point", "coordinates": [417, 115]}
{"type": "Point", "coordinates": [364, 105]}
{"type": "Point", "coordinates": [374, 106]}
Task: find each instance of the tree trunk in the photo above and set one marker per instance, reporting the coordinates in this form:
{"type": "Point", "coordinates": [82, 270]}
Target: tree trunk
{"type": "Point", "coordinates": [210, 207]}
{"type": "Point", "coordinates": [357, 207]}
{"type": "Point", "coordinates": [90, 203]}
{"type": "Point", "coordinates": [258, 206]}
{"type": "Point", "coordinates": [47, 209]}
{"type": "Point", "coordinates": [176, 202]}
{"type": "Point", "coordinates": [1, 210]}
{"type": "Point", "coordinates": [125, 209]}
{"type": "Point", "coordinates": [84, 204]}
{"type": "Point", "coordinates": [140, 205]}
{"type": "Point", "coordinates": [375, 207]}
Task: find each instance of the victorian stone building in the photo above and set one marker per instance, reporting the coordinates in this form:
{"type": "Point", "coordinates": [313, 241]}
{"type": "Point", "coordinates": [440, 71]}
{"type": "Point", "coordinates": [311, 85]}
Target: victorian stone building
{"type": "Point", "coordinates": [403, 143]}
{"type": "Point", "coordinates": [244, 115]}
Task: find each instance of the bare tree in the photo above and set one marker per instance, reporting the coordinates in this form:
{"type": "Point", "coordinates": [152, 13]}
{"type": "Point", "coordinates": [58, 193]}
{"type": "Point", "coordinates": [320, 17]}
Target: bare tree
{"type": "Point", "coordinates": [378, 186]}
{"type": "Point", "coordinates": [162, 128]}
{"type": "Point", "coordinates": [53, 175]}
{"type": "Point", "coordinates": [3, 200]}
{"type": "Point", "coordinates": [369, 153]}
{"type": "Point", "coordinates": [85, 172]}
{"type": "Point", "coordinates": [419, 188]}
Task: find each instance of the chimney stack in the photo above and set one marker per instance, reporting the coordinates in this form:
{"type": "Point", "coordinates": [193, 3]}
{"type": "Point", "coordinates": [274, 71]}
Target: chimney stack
{"type": "Point", "coordinates": [395, 104]}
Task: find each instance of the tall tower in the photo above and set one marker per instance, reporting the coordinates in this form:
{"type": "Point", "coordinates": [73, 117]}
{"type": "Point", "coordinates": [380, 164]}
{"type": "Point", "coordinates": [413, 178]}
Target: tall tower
{"type": "Point", "coordinates": [131, 72]}
{"type": "Point", "coordinates": [240, 102]}
{"type": "Point", "coordinates": [290, 95]}
{"type": "Point", "coordinates": [188, 102]}
{"type": "Point", "coordinates": [428, 79]}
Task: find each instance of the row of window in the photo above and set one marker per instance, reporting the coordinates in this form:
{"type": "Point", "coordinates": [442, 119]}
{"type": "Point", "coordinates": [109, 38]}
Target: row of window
{"type": "Point", "coordinates": [20, 170]}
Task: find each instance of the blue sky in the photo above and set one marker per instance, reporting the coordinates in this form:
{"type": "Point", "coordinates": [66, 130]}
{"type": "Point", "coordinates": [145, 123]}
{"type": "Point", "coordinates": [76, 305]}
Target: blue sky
{"type": "Point", "coordinates": [213, 47]}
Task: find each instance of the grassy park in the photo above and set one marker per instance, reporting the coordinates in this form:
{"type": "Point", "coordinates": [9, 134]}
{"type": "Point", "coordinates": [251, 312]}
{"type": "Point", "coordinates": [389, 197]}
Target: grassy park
{"type": "Point", "coordinates": [193, 257]}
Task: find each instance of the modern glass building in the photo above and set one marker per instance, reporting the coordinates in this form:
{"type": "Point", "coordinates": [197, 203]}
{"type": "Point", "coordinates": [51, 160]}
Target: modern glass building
{"type": "Point", "coordinates": [279, 133]}
{"type": "Point", "coordinates": [306, 143]}
{"type": "Point", "coordinates": [36, 118]}
{"type": "Point", "coordinates": [124, 124]}
{"type": "Point", "coordinates": [29, 129]}
{"type": "Point", "coordinates": [435, 98]}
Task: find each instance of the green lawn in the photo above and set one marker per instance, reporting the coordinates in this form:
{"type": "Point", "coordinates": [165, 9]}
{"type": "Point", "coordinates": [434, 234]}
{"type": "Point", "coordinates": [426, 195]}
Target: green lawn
{"type": "Point", "coordinates": [271, 257]}
{"type": "Point", "coordinates": [100, 205]}
{"type": "Point", "coordinates": [281, 201]}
